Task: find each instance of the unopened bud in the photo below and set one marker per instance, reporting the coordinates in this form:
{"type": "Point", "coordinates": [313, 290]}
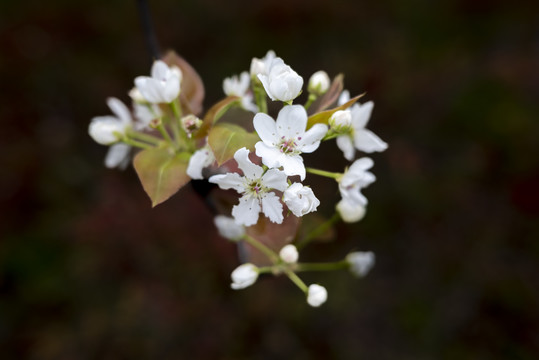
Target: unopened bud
{"type": "Point", "coordinates": [341, 120]}
{"type": "Point", "coordinates": [191, 124]}
{"type": "Point", "coordinates": [319, 83]}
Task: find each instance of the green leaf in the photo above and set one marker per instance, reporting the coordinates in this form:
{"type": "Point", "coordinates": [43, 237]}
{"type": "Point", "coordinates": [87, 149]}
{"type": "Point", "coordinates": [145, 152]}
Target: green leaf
{"type": "Point", "coordinates": [215, 112]}
{"type": "Point", "coordinates": [225, 139]}
{"type": "Point", "coordinates": [161, 172]}
{"type": "Point", "coordinates": [323, 117]}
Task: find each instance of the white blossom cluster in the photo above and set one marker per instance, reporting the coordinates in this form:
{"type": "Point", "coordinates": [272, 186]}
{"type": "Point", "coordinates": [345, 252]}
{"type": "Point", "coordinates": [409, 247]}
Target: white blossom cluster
{"type": "Point", "coordinates": [272, 173]}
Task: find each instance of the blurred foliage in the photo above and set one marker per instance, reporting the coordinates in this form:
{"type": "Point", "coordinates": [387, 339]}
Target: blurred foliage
{"type": "Point", "coordinates": [88, 270]}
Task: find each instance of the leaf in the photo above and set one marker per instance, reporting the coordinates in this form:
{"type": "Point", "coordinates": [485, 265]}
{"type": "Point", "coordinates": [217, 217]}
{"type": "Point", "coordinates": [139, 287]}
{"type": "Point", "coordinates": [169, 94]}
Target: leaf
{"type": "Point", "coordinates": [192, 88]}
{"type": "Point", "coordinates": [215, 112]}
{"type": "Point", "coordinates": [323, 117]}
{"type": "Point", "coordinates": [273, 235]}
{"type": "Point", "coordinates": [330, 96]}
{"type": "Point", "coordinates": [161, 172]}
{"type": "Point", "coordinates": [225, 139]}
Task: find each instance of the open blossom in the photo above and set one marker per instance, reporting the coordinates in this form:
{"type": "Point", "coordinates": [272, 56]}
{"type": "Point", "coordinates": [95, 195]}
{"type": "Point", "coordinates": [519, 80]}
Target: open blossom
{"type": "Point", "coordinates": [360, 262]}
{"type": "Point", "coordinates": [107, 130]}
{"type": "Point", "coordinates": [243, 276]}
{"type": "Point", "coordinates": [280, 81]}
{"type": "Point", "coordinates": [289, 254]}
{"type": "Point", "coordinates": [285, 139]}
{"type": "Point", "coordinates": [261, 66]}
{"type": "Point", "coordinates": [316, 295]}
{"type": "Point", "coordinates": [239, 86]}
{"type": "Point", "coordinates": [356, 178]}
{"type": "Point", "coordinates": [164, 84]}
{"type": "Point", "coordinates": [199, 160]}
{"type": "Point", "coordinates": [350, 211]}
{"type": "Point", "coordinates": [228, 228]}
{"type": "Point", "coordinates": [300, 199]}
{"type": "Point", "coordinates": [255, 186]}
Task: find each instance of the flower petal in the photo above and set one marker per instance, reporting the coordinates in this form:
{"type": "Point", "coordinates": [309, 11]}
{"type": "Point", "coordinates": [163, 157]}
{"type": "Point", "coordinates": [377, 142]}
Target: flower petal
{"type": "Point", "coordinates": [229, 181]}
{"type": "Point", "coordinates": [159, 70]}
{"type": "Point", "coordinates": [270, 155]}
{"type": "Point", "coordinates": [120, 110]}
{"type": "Point", "coordinates": [293, 165]}
{"type": "Point", "coordinates": [291, 122]}
{"type": "Point", "coordinates": [347, 147]}
{"type": "Point", "coordinates": [247, 211]}
{"type": "Point", "coordinates": [272, 207]}
{"type": "Point", "coordinates": [250, 170]}
{"type": "Point", "coordinates": [310, 141]}
{"type": "Point", "coordinates": [199, 160]}
{"type": "Point", "coordinates": [149, 88]}
{"type": "Point", "coordinates": [265, 128]}
{"type": "Point", "coordinates": [361, 115]}
{"type": "Point", "coordinates": [366, 141]}
{"type": "Point", "coordinates": [275, 179]}
{"type": "Point", "coordinates": [118, 156]}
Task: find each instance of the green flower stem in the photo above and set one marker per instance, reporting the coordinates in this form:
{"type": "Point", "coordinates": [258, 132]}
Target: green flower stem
{"type": "Point", "coordinates": [263, 248]}
{"type": "Point", "coordinates": [319, 230]}
{"type": "Point", "coordinates": [164, 132]}
{"type": "Point", "coordinates": [338, 265]}
{"type": "Point", "coordinates": [260, 96]}
{"type": "Point", "coordinates": [310, 100]}
{"type": "Point", "coordinates": [296, 280]}
{"type": "Point", "coordinates": [145, 137]}
{"type": "Point", "coordinates": [265, 269]}
{"type": "Point", "coordinates": [137, 143]}
{"type": "Point", "coordinates": [328, 174]}
{"type": "Point", "coordinates": [175, 124]}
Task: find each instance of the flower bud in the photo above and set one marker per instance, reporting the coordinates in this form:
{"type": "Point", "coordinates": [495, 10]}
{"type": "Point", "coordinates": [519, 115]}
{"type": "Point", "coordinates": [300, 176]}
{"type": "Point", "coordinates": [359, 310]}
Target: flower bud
{"type": "Point", "coordinates": [289, 254]}
{"type": "Point", "coordinates": [341, 120]}
{"type": "Point", "coordinates": [349, 211]}
{"type": "Point", "coordinates": [360, 262]}
{"type": "Point", "coordinates": [300, 199]}
{"type": "Point", "coordinates": [281, 82]}
{"type": "Point", "coordinates": [228, 228]}
{"type": "Point", "coordinates": [243, 276]}
{"type": "Point", "coordinates": [319, 83]}
{"type": "Point", "coordinates": [316, 295]}
{"type": "Point", "coordinates": [105, 129]}
{"type": "Point", "coordinates": [191, 124]}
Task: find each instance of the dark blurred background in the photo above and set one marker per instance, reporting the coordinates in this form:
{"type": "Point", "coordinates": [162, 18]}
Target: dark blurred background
{"type": "Point", "coordinates": [89, 271]}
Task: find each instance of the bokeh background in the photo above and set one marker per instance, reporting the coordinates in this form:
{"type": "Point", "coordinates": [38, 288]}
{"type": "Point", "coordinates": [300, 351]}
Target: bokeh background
{"type": "Point", "coordinates": [89, 271]}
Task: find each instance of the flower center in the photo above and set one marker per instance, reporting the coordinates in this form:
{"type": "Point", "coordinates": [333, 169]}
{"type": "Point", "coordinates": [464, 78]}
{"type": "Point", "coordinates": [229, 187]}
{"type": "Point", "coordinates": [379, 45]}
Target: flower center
{"type": "Point", "coordinates": [288, 146]}
{"type": "Point", "coordinates": [256, 188]}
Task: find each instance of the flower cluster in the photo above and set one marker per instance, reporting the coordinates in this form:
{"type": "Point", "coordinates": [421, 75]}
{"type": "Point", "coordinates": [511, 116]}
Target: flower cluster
{"type": "Point", "coordinates": [265, 167]}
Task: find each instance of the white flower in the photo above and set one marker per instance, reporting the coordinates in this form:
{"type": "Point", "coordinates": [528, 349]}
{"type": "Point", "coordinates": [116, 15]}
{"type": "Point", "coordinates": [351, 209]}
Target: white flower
{"type": "Point", "coordinates": [360, 262]}
{"type": "Point", "coordinates": [300, 199]}
{"type": "Point", "coordinates": [319, 83]}
{"type": "Point", "coordinates": [281, 82]}
{"type": "Point", "coordinates": [118, 156]}
{"type": "Point", "coordinates": [239, 86]}
{"type": "Point", "coordinates": [243, 276]}
{"type": "Point", "coordinates": [228, 228]}
{"type": "Point", "coordinates": [316, 295]}
{"type": "Point", "coordinates": [255, 187]}
{"type": "Point", "coordinates": [360, 138]}
{"type": "Point", "coordinates": [289, 254]}
{"type": "Point", "coordinates": [199, 160]}
{"type": "Point", "coordinates": [261, 66]}
{"type": "Point", "coordinates": [349, 211]}
{"type": "Point", "coordinates": [341, 120]}
{"type": "Point", "coordinates": [164, 84]}
{"type": "Point", "coordinates": [136, 96]}
{"type": "Point", "coordinates": [285, 139]}
{"type": "Point", "coordinates": [145, 113]}
{"type": "Point", "coordinates": [107, 130]}
{"type": "Point", "coordinates": [354, 179]}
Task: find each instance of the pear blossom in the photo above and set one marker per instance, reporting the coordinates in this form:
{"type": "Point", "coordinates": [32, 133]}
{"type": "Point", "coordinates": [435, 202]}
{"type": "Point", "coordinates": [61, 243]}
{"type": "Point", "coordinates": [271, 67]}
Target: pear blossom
{"type": "Point", "coordinates": [354, 179]}
{"type": "Point", "coordinates": [144, 114]}
{"type": "Point", "coordinates": [239, 86]}
{"type": "Point", "coordinates": [316, 295]}
{"type": "Point", "coordinates": [200, 159]}
{"type": "Point", "coordinates": [255, 187]}
{"type": "Point", "coordinates": [358, 137]}
{"type": "Point", "coordinates": [341, 120]}
{"type": "Point", "coordinates": [261, 66]}
{"type": "Point", "coordinates": [285, 139]}
{"type": "Point", "coordinates": [243, 276]}
{"type": "Point", "coordinates": [107, 130]}
{"type": "Point", "coordinates": [228, 228]}
{"type": "Point", "coordinates": [280, 81]}
{"type": "Point", "coordinates": [289, 254]}
{"type": "Point", "coordinates": [350, 211]}
{"type": "Point", "coordinates": [319, 83]}
{"type": "Point", "coordinates": [360, 262]}
{"type": "Point", "coordinates": [300, 199]}
{"type": "Point", "coordinates": [164, 84]}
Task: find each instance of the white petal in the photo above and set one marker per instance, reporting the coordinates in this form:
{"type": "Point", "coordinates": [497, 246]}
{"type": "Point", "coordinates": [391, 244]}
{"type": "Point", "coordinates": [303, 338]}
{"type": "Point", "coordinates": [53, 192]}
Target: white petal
{"type": "Point", "coordinates": [347, 147]}
{"type": "Point", "coordinates": [270, 155]}
{"type": "Point", "coordinates": [265, 83]}
{"type": "Point", "coordinates": [250, 170]}
{"type": "Point", "coordinates": [272, 207]}
{"type": "Point", "coordinates": [366, 141]}
{"type": "Point", "coordinates": [118, 156]}
{"type": "Point", "coordinates": [120, 110]}
{"type": "Point", "coordinates": [265, 128]}
{"type": "Point", "coordinates": [310, 141]}
{"type": "Point", "coordinates": [349, 211]}
{"type": "Point", "coordinates": [361, 115]}
{"type": "Point", "coordinates": [361, 165]}
{"type": "Point", "coordinates": [149, 88]}
{"type": "Point", "coordinates": [171, 89]}
{"type": "Point", "coordinates": [103, 129]}
{"type": "Point", "coordinates": [344, 97]}
{"type": "Point", "coordinates": [275, 179]}
{"type": "Point", "coordinates": [228, 181]}
{"type": "Point", "coordinates": [160, 70]}
{"type": "Point", "coordinates": [247, 211]}
{"type": "Point", "coordinates": [293, 165]}
{"type": "Point", "coordinates": [228, 228]}
{"type": "Point", "coordinates": [199, 160]}
{"type": "Point", "coordinates": [291, 122]}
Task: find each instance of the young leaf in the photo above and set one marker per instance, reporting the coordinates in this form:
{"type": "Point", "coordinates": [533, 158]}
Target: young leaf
{"type": "Point", "coordinates": [161, 172]}
{"type": "Point", "coordinates": [215, 112]}
{"type": "Point", "coordinates": [323, 117]}
{"type": "Point", "coordinates": [225, 139]}
{"type": "Point", "coordinates": [192, 88]}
